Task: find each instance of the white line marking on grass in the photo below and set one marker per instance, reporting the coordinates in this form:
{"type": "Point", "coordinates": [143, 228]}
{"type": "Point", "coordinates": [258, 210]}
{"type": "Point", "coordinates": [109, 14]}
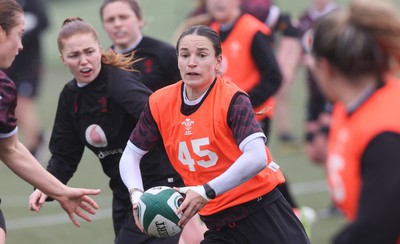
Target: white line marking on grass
{"type": "Point", "coordinates": [53, 219]}
{"type": "Point", "coordinates": [309, 187]}
{"type": "Point", "coordinates": [301, 188]}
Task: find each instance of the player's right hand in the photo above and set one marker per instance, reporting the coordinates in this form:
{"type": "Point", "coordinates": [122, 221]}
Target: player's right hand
{"type": "Point", "coordinates": [135, 195]}
{"type": "Point", "coordinates": [36, 200]}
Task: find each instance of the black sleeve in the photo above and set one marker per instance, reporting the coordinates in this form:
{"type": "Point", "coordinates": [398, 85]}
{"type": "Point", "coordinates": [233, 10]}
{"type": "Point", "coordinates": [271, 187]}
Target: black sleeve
{"type": "Point", "coordinates": [65, 146]}
{"type": "Point", "coordinates": [378, 216]}
{"type": "Point", "coordinates": [270, 74]}
{"type": "Point", "coordinates": [128, 92]}
{"type": "Point", "coordinates": [241, 118]}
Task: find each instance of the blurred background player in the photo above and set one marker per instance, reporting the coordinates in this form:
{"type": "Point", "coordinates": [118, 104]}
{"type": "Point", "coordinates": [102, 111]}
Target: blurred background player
{"type": "Point", "coordinates": [318, 108]}
{"type": "Point", "coordinates": [248, 58]}
{"type": "Point", "coordinates": [156, 65]}
{"type": "Point", "coordinates": [357, 53]}
{"type": "Point", "coordinates": [27, 72]}
{"type": "Point", "coordinates": [209, 115]}
{"type": "Point", "coordinates": [285, 29]}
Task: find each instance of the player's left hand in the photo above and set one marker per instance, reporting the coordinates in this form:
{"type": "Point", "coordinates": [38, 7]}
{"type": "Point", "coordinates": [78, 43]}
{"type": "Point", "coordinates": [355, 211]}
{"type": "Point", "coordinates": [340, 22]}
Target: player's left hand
{"type": "Point", "coordinates": [194, 201]}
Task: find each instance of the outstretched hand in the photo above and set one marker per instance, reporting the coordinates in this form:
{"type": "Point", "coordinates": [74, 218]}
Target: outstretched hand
{"type": "Point", "coordinates": [76, 199]}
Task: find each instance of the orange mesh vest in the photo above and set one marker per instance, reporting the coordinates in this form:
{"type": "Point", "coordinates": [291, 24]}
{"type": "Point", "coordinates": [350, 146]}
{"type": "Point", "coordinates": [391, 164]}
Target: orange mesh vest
{"type": "Point", "coordinates": [238, 65]}
{"type": "Point", "coordinates": [201, 146]}
{"type": "Point", "coordinates": [350, 136]}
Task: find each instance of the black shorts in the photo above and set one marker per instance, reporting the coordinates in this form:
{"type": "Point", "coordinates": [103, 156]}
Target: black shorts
{"type": "Point", "coordinates": [268, 219]}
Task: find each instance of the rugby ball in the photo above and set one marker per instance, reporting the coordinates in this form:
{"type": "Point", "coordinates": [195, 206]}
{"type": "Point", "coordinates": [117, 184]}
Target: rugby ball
{"type": "Point", "coordinates": [156, 211]}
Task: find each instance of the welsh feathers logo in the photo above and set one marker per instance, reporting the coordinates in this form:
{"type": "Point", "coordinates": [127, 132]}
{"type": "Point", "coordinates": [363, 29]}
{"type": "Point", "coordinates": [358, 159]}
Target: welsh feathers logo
{"type": "Point", "coordinates": [188, 126]}
{"type": "Point", "coordinates": [95, 136]}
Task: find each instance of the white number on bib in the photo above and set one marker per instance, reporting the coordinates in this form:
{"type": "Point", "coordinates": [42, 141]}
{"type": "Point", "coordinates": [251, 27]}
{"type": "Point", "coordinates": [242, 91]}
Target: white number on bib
{"type": "Point", "coordinates": [186, 159]}
{"type": "Point", "coordinates": [335, 166]}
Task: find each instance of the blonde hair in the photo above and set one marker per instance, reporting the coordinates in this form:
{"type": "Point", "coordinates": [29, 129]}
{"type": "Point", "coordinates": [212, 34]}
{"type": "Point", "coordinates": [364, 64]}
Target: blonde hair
{"type": "Point", "coordinates": [75, 25]}
{"type": "Point", "coordinates": [361, 39]}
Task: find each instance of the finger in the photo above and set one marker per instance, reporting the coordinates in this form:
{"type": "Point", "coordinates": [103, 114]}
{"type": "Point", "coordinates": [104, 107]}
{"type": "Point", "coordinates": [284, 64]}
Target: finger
{"type": "Point", "coordinates": [82, 215]}
{"type": "Point", "coordinates": [90, 201]}
{"type": "Point", "coordinates": [42, 199]}
{"type": "Point", "coordinates": [90, 191]}
{"type": "Point", "coordinates": [87, 208]}
{"type": "Point", "coordinates": [34, 207]}
{"type": "Point", "coordinates": [73, 219]}
{"type": "Point", "coordinates": [182, 207]}
{"type": "Point", "coordinates": [136, 217]}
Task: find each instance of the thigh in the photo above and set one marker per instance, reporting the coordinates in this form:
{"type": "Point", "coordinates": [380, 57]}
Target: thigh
{"type": "Point", "coordinates": [130, 233]}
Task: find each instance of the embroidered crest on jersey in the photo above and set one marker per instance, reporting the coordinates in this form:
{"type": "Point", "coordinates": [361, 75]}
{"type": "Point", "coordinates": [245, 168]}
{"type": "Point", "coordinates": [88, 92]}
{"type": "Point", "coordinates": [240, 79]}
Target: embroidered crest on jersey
{"type": "Point", "coordinates": [188, 126]}
{"type": "Point", "coordinates": [149, 66]}
{"type": "Point", "coordinates": [103, 104]}
{"type": "Point", "coordinates": [95, 136]}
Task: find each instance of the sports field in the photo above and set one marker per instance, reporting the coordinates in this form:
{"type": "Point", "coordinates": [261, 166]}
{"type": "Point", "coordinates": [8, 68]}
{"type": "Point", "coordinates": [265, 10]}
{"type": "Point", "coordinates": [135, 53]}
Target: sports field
{"type": "Point", "coordinates": [52, 226]}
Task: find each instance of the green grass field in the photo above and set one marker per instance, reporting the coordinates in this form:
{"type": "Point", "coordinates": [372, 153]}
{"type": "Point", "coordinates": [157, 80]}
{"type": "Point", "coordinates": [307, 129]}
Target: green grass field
{"type": "Point", "coordinates": [52, 225]}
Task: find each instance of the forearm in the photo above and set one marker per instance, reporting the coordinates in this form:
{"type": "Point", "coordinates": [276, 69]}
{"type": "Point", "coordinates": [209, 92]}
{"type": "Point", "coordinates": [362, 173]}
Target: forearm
{"type": "Point", "coordinates": [17, 157]}
{"type": "Point", "coordinates": [129, 167]}
{"type": "Point", "coordinates": [253, 160]}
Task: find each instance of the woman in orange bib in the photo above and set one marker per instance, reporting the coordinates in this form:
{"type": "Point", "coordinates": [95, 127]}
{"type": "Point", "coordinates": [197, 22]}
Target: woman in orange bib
{"type": "Point", "coordinates": [356, 51]}
{"type": "Point", "coordinates": [215, 143]}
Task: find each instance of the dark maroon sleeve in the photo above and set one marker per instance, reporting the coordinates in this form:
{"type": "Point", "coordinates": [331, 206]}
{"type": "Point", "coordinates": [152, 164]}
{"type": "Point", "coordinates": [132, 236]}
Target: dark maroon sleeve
{"type": "Point", "coordinates": [241, 118]}
{"type": "Point", "coordinates": [8, 103]}
{"type": "Point", "coordinates": [146, 133]}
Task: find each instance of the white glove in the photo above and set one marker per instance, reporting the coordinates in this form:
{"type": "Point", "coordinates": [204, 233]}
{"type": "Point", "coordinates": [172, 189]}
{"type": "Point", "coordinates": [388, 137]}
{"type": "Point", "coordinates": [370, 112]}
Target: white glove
{"type": "Point", "coordinates": [198, 189]}
{"type": "Point", "coordinates": [135, 194]}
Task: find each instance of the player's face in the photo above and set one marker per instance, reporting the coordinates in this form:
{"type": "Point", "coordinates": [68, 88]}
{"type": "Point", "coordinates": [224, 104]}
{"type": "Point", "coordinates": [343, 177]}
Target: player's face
{"type": "Point", "coordinates": [121, 23]}
{"type": "Point", "coordinates": [81, 53]}
{"type": "Point", "coordinates": [197, 63]}
{"type": "Point", "coordinates": [10, 43]}
{"type": "Point", "coordinates": [320, 4]}
{"type": "Point", "coordinates": [224, 11]}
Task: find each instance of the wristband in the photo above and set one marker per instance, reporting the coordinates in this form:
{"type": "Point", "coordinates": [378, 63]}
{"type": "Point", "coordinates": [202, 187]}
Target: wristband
{"type": "Point", "coordinates": [210, 193]}
{"type": "Point", "coordinates": [135, 194]}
